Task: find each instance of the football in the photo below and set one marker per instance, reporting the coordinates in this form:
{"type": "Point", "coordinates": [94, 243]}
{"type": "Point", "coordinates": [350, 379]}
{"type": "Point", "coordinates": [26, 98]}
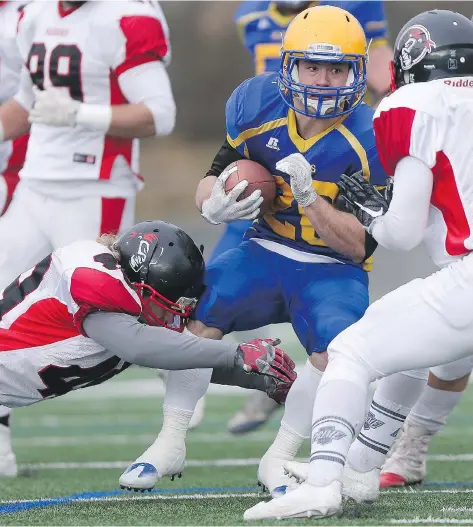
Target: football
{"type": "Point", "coordinates": [258, 177]}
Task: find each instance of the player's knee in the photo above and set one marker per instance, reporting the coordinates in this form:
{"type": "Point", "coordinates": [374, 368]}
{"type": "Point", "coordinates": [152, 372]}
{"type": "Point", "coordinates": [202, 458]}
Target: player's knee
{"type": "Point", "coordinates": [346, 351]}
{"type": "Point", "coordinates": [319, 360]}
{"type": "Point", "coordinates": [201, 330]}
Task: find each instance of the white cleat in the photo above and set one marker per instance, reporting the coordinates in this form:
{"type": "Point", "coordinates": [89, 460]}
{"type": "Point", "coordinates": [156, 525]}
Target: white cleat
{"type": "Point", "coordinates": [165, 457]}
{"type": "Point", "coordinates": [198, 415]}
{"type": "Point", "coordinates": [307, 501]}
{"type": "Point", "coordinates": [361, 487]}
{"type": "Point", "coordinates": [407, 461]}
{"type": "Point", "coordinates": [273, 477]}
{"type": "Point", "coordinates": [8, 466]}
{"type": "Point", "coordinates": [297, 470]}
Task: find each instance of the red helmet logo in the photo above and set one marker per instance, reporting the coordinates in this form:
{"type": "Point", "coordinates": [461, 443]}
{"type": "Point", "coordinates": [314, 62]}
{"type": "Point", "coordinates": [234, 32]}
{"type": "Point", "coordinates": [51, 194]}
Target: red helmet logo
{"type": "Point", "coordinates": [414, 44]}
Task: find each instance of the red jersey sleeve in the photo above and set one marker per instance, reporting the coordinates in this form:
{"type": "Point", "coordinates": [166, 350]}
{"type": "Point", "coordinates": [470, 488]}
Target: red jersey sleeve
{"type": "Point", "coordinates": [145, 41]}
{"type": "Point", "coordinates": [393, 129]}
{"type": "Point", "coordinates": [93, 290]}
{"type": "Point", "coordinates": [403, 128]}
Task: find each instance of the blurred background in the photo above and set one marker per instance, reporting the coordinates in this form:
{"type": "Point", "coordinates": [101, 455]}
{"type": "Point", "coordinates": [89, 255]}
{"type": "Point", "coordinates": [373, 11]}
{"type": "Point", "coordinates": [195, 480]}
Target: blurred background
{"type": "Point", "coordinates": [208, 62]}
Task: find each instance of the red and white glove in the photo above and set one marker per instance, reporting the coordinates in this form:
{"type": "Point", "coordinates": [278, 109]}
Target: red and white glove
{"type": "Point", "coordinates": [262, 357]}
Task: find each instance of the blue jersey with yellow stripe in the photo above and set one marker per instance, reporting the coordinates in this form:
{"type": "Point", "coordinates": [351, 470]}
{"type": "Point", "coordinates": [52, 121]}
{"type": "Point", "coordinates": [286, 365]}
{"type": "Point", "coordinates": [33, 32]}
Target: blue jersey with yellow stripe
{"type": "Point", "coordinates": [261, 27]}
{"type": "Point", "coordinates": [262, 128]}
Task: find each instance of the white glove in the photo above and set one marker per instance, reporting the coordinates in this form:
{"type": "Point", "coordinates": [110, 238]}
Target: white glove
{"type": "Point", "coordinates": [54, 107]}
{"type": "Point", "coordinates": [221, 207]}
{"type": "Point", "coordinates": [300, 172]}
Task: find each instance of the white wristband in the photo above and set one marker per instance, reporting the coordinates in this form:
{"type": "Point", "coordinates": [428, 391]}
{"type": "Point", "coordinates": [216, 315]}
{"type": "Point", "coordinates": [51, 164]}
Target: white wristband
{"type": "Point", "coordinates": [2, 132]}
{"type": "Point", "coordinates": [94, 117]}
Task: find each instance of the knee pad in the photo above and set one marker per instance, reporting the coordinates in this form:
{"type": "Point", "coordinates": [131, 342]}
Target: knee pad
{"type": "Point", "coordinates": [453, 370]}
{"type": "Point", "coordinates": [422, 374]}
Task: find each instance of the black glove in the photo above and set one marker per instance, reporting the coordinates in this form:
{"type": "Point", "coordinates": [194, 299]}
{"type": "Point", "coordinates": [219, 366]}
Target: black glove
{"type": "Point", "coordinates": [359, 196]}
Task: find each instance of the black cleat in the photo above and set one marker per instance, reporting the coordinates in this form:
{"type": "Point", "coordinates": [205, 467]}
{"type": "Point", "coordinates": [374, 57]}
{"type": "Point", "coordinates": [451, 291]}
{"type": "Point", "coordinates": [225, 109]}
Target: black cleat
{"type": "Point", "coordinates": [172, 477]}
{"type": "Point", "coordinates": [179, 475]}
{"type": "Point", "coordinates": [263, 487]}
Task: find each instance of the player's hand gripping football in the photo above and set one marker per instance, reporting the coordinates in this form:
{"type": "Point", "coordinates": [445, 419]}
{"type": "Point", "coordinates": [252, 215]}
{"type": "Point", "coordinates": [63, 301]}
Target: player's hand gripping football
{"type": "Point", "coordinates": [300, 172]}
{"type": "Point", "coordinates": [221, 207]}
{"type": "Point", "coordinates": [54, 108]}
{"type": "Point", "coordinates": [363, 198]}
{"type": "Point", "coordinates": [262, 357]}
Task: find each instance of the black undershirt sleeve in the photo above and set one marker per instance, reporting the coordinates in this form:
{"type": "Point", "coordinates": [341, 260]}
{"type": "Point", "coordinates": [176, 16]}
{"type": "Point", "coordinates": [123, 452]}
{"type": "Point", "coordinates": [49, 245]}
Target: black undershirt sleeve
{"type": "Point", "coordinates": [225, 156]}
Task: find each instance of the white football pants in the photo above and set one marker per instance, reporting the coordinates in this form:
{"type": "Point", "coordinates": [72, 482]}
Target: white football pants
{"type": "Point", "coordinates": [427, 322]}
{"type": "Point", "coordinates": [35, 225]}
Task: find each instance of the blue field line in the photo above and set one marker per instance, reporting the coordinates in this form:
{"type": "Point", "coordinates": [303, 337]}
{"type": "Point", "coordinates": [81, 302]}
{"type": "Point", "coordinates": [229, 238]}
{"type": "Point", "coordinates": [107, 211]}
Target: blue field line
{"type": "Point", "coordinates": [9, 508]}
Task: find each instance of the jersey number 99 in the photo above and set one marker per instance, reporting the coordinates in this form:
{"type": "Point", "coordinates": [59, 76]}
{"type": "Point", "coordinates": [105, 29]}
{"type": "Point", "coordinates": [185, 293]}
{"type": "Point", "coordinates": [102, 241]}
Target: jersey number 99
{"type": "Point", "coordinates": [39, 63]}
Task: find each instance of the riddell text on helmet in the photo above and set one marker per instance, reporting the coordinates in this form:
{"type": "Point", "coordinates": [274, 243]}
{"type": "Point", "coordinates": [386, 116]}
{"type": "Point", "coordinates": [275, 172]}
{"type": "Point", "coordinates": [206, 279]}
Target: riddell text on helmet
{"type": "Point", "coordinates": [461, 83]}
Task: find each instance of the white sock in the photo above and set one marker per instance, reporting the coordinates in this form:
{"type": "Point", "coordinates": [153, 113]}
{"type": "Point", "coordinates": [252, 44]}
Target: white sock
{"type": "Point", "coordinates": [339, 412]}
{"type": "Point", "coordinates": [392, 401]}
{"type": "Point", "coordinates": [297, 418]}
{"type": "Point", "coordinates": [184, 388]}
{"type": "Point", "coordinates": [300, 401]}
{"type": "Point", "coordinates": [433, 408]}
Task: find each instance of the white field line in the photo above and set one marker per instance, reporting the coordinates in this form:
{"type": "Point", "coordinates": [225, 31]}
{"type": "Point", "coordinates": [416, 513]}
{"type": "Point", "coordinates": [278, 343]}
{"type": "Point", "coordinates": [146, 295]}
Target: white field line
{"type": "Point", "coordinates": [137, 439]}
{"type": "Point", "coordinates": [431, 521]}
{"type": "Point", "coordinates": [238, 462]}
{"type": "Point", "coordinates": [219, 495]}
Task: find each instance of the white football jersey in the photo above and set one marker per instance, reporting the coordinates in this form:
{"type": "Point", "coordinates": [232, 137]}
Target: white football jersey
{"type": "Point", "coordinates": [10, 67]}
{"type": "Point", "coordinates": [83, 52]}
{"type": "Point", "coordinates": [44, 352]}
{"type": "Point", "coordinates": [432, 121]}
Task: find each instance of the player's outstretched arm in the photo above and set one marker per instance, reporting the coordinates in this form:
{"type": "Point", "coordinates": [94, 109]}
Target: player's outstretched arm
{"type": "Point", "coordinates": [161, 348]}
{"type": "Point", "coordinates": [339, 230]}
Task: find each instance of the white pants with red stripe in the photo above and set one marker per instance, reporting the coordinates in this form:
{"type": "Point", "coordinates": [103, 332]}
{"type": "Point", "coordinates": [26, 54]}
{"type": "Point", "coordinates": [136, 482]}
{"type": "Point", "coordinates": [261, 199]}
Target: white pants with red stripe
{"type": "Point", "coordinates": [34, 225]}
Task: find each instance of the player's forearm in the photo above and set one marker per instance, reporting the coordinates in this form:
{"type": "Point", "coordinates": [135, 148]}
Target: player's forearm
{"type": "Point", "coordinates": [131, 120]}
{"type": "Point", "coordinates": [339, 230]}
{"type": "Point", "coordinates": [403, 226]}
{"type": "Point", "coordinates": [204, 190]}
{"type": "Point", "coordinates": [13, 120]}
{"type": "Point", "coordinates": [156, 347]}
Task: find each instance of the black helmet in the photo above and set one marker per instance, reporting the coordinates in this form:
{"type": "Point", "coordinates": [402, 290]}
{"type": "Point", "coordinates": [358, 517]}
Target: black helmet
{"type": "Point", "coordinates": [433, 45]}
{"type": "Point", "coordinates": [166, 268]}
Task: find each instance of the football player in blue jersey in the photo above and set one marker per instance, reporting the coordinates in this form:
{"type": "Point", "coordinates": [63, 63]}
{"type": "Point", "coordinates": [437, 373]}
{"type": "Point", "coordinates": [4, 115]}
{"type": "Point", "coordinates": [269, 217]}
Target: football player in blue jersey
{"type": "Point", "coordinates": [307, 262]}
{"type": "Point", "coordinates": [261, 24]}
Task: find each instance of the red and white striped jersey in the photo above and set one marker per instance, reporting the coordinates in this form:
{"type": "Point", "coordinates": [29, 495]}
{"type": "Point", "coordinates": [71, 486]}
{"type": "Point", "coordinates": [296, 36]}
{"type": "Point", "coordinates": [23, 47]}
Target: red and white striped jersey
{"type": "Point", "coordinates": [12, 153]}
{"type": "Point", "coordinates": [432, 121]}
{"type": "Point", "coordinates": [43, 350]}
{"type": "Point", "coordinates": [84, 51]}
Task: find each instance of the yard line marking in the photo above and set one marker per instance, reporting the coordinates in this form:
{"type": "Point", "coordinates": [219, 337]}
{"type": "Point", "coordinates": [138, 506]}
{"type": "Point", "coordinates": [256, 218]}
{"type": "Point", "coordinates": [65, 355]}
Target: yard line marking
{"type": "Point", "coordinates": [430, 521]}
{"type": "Point", "coordinates": [226, 462]}
{"type": "Point", "coordinates": [136, 439]}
